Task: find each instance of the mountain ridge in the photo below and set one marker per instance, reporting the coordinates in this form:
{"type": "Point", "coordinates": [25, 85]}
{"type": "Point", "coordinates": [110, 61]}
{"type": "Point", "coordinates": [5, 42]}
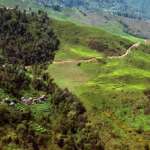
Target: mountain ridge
{"type": "Point", "coordinates": [129, 8]}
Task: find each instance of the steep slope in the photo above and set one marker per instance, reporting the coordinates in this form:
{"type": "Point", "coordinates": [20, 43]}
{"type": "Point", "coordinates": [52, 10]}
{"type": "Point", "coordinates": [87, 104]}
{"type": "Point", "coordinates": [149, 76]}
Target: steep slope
{"type": "Point", "coordinates": [132, 15]}
{"type": "Point", "coordinates": [114, 93]}
{"type": "Point", "coordinates": [111, 15]}
{"type": "Point", "coordinates": [112, 90]}
{"type": "Point", "coordinates": [92, 38]}
{"type": "Point", "coordinates": [128, 8]}
{"type": "Point", "coordinates": [35, 113]}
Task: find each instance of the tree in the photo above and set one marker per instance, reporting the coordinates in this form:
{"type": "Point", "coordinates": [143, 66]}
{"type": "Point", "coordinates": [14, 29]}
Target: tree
{"type": "Point", "coordinates": [26, 38]}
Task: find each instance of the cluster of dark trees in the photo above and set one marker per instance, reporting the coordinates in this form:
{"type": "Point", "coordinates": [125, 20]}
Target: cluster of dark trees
{"type": "Point", "coordinates": [26, 38]}
{"type": "Point", "coordinates": [66, 126]}
{"type": "Point", "coordinates": [109, 46]}
{"type": "Point", "coordinates": [13, 79]}
{"type": "Point", "coordinates": [73, 130]}
{"type": "Point", "coordinates": [19, 122]}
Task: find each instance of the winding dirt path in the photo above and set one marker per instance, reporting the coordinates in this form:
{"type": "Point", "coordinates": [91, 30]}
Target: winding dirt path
{"type": "Point", "coordinates": [94, 59]}
{"type": "Point", "coordinates": [127, 51]}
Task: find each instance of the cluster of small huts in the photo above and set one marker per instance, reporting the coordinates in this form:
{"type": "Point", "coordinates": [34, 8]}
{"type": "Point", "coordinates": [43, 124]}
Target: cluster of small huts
{"type": "Point", "coordinates": [31, 101]}
{"type": "Point", "coordinates": [26, 101]}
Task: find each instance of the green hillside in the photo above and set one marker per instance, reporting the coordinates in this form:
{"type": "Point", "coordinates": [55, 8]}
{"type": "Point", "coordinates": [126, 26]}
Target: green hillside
{"type": "Point", "coordinates": [111, 89]}
{"type": "Point", "coordinates": [35, 112]}
{"type": "Point", "coordinates": [93, 98]}
{"type": "Point", "coordinates": [114, 27]}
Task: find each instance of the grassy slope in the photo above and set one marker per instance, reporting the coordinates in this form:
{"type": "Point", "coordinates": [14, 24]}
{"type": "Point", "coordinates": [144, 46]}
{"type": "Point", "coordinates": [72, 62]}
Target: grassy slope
{"type": "Point", "coordinates": [112, 27]}
{"type": "Point", "coordinates": [111, 90]}
{"type": "Point", "coordinates": [113, 87]}
{"type": "Point", "coordinates": [118, 29]}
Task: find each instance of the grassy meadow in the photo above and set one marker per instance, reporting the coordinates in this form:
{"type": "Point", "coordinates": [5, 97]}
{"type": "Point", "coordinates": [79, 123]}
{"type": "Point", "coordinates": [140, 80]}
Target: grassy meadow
{"type": "Point", "coordinates": [111, 89]}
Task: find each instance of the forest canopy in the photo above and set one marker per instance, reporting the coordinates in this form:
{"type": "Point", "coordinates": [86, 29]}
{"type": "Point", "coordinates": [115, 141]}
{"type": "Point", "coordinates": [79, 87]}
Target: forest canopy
{"type": "Point", "coordinates": [26, 38]}
{"type": "Point", "coordinates": [35, 113]}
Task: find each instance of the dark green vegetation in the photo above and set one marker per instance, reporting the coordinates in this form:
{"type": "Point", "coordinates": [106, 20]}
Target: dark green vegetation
{"type": "Point", "coordinates": [13, 79]}
{"type": "Point", "coordinates": [61, 122]}
{"type": "Point", "coordinates": [29, 40]}
{"type": "Point", "coordinates": [111, 108]}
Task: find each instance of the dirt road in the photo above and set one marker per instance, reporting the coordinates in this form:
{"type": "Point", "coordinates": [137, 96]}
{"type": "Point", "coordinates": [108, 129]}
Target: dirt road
{"type": "Point", "coordinates": [94, 59]}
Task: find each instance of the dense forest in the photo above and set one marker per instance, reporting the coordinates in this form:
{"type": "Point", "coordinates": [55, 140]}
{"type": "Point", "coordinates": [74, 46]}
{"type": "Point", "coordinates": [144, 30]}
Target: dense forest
{"type": "Point", "coordinates": [27, 45]}
{"type": "Point", "coordinates": [26, 38]}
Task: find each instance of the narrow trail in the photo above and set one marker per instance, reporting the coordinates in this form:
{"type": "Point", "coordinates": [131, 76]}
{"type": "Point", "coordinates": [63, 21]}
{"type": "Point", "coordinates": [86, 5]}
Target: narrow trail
{"type": "Point", "coordinates": [127, 51]}
{"type": "Point", "coordinates": [94, 59]}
